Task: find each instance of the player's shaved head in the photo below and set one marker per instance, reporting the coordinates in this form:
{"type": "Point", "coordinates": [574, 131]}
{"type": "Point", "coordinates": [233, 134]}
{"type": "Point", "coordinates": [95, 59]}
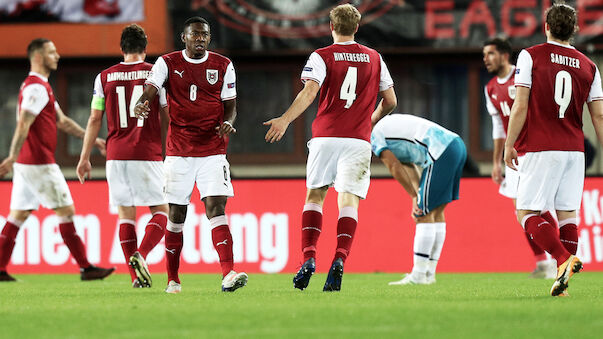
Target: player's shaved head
{"type": "Point", "coordinates": [345, 19]}
{"type": "Point", "coordinates": [36, 46]}
{"type": "Point", "coordinates": [133, 39]}
{"type": "Point", "coordinates": [195, 19]}
{"type": "Point", "coordinates": [561, 19]}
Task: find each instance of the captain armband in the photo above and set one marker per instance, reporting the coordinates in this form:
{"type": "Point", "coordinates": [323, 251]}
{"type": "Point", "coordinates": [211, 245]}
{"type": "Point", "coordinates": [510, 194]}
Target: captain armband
{"type": "Point", "coordinates": [98, 103]}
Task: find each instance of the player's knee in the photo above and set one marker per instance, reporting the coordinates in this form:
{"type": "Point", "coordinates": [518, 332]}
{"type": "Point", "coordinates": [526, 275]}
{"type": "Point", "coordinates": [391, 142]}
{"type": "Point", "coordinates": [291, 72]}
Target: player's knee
{"type": "Point", "coordinates": [20, 215]}
{"type": "Point", "coordinates": [177, 213]}
{"type": "Point", "coordinates": [65, 211]}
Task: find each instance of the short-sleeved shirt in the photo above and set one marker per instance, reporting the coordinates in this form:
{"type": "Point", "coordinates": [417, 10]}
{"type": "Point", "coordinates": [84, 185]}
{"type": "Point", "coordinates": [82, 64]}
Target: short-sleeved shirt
{"type": "Point", "coordinates": [350, 75]}
{"type": "Point", "coordinates": [561, 80]}
{"type": "Point", "coordinates": [116, 91]}
{"type": "Point", "coordinates": [500, 94]}
{"type": "Point", "coordinates": [196, 90]}
{"type": "Point", "coordinates": [37, 98]}
{"type": "Point", "coordinates": [411, 139]}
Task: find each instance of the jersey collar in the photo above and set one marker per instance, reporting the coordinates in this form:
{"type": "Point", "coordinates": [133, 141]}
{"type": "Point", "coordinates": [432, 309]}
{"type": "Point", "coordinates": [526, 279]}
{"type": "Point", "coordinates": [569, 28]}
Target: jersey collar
{"type": "Point", "coordinates": [345, 43]}
{"type": "Point", "coordinates": [506, 77]}
{"type": "Point", "coordinates": [562, 45]}
{"type": "Point", "coordinates": [39, 76]}
{"type": "Point", "coordinates": [132, 63]}
{"type": "Point", "coordinates": [195, 61]}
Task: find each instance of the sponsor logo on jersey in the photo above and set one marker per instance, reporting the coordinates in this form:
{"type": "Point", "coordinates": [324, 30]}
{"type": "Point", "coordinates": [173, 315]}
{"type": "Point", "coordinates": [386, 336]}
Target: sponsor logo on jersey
{"type": "Point", "coordinates": [307, 69]}
{"type": "Point", "coordinates": [212, 76]}
{"type": "Point", "coordinates": [179, 73]}
{"type": "Point", "coordinates": [494, 96]}
{"type": "Point", "coordinates": [231, 85]}
{"type": "Point", "coordinates": [512, 90]}
{"type": "Point", "coordinates": [517, 71]}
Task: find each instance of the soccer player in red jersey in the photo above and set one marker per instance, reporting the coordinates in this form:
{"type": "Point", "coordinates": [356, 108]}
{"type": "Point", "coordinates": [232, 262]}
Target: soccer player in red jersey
{"type": "Point", "coordinates": [201, 89]}
{"type": "Point", "coordinates": [545, 141]}
{"type": "Point", "coordinates": [351, 76]}
{"type": "Point", "coordinates": [134, 150]}
{"type": "Point", "coordinates": [37, 179]}
{"type": "Point", "coordinates": [499, 94]}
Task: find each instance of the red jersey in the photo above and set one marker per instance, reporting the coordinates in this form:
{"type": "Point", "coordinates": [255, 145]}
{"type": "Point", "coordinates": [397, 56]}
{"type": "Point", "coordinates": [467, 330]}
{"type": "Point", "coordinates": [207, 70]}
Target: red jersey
{"type": "Point", "coordinates": [560, 78]}
{"type": "Point", "coordinates": [196, 89]}
{"type": "Point", "coordinates": [351, 75]}
{"type": "Point", "coordinates": [500, 93]}
{"type": "Point", "coordinates": [36, 96]}
{"type": "Point", "coordinates": [128, 137]}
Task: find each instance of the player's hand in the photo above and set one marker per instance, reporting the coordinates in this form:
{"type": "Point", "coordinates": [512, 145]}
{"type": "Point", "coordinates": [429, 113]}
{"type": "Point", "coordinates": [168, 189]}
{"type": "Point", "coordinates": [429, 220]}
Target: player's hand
{"type": "Point", "coordinates": [497, 174]}
{"type": "Point", "coordinates": [142, 109]}
{"type": "Point", "coordinates": [278, 127]}
{"type": "Point", "coordinates": [101, 144]}
{"type": "Point", "coordinates": [225, 128]}
{"type": "Point", "coordinates": [6, 166]}
{"type": "Point", "coordinates": [416, 211]}
{"type": "Point", "coordinates": [83, 170]}
{"type": "Point", "coordinates": [511, 158]}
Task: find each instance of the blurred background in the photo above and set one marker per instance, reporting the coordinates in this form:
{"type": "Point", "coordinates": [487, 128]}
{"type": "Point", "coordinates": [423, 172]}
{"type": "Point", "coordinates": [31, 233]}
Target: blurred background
{"type": "Point", "coordinates": [432, 48]}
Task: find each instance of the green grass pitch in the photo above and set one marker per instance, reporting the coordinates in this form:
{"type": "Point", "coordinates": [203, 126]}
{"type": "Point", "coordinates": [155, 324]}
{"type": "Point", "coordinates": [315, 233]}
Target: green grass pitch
{"type": "Point", "coordinates": [458, 306]}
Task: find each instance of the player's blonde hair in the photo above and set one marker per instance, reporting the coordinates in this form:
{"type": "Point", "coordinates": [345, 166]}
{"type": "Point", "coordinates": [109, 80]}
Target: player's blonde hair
{"type": "Point", "coordinates": [345, 19]}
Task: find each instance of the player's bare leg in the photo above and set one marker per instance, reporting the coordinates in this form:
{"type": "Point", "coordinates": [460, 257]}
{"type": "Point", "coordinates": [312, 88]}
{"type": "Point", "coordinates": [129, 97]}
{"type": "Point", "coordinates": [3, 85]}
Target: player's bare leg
{"type": "Point", "coordinates": [16, 219]}
{"type": "Point", "coordinates": [311, 229]}
{"type": "Point", "coordinates": [215, 207]}
{"type": "Point", "coordinates": [173, 245]}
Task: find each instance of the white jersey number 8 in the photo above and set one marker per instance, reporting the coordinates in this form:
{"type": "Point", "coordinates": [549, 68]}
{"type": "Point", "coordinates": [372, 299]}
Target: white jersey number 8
{"type": "Point", "coordinates": [121, 102]}
{"type": "Point", "coordinates": [348, 87]}
{"type": "Point", "coordinates": [563, 91]}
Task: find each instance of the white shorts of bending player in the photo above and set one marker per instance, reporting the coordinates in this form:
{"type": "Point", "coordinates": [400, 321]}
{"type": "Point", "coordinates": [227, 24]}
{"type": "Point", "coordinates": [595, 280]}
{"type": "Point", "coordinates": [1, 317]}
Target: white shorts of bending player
{"type": "Point", "coordinates": [211, 174]}
{"type": "Point", "coordinates": [553, 179]}
{"type": "Point", "coordinates": [508, 187]}
{"type": "Point", "coordinates": [340, 162]}
{"type": "Point", "coordinates": [39, 184]}
{"type": "Point", "coordinates": [135, 182]}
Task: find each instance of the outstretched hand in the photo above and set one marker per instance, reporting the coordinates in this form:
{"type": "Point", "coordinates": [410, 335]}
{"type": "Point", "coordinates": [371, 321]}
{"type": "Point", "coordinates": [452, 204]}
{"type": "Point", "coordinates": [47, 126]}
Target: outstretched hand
{"type": "Point", "coordinates": [101, 144]}
{"type": "Point", "coordinates": [142, 109]}
{"type": "Point", "coordinates": [225, 129]}
{"type": "Point", "coordinates": [278, 127]}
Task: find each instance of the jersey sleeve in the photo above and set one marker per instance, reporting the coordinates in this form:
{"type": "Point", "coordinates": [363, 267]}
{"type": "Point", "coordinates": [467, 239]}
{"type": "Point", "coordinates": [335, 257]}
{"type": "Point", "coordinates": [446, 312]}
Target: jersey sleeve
{"type": "Point", "coordinates": [523, 70]}
{"type": "Point", "coordinates": [315, 69]}
{"type": "Point", "coordinates": [159, 74]}
{"type": "Point", "coordinates": [378, 143]}
{"type": "Point", "coordinates": [98, 95]}
{"type": "Point", "coordinates": [498, 131]}
{"type": "Point", "coordinates": [489, 105]}
{"type": "Point", "coordinates": [35, 98]}
{"type": "Point", "coordinates": [385, 81]}
{"type": "Point", "coordinates": [595, 89]}
{"type": "Point", "coordinates": [162, 97]}
{"type": "Point", "coordinates": [229, 87]}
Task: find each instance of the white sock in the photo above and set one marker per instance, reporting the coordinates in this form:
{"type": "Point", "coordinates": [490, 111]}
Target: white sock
{"type": "Point", "coordinates": [424, 239]}
{"type": "Point", "coordinates": [438, 244]}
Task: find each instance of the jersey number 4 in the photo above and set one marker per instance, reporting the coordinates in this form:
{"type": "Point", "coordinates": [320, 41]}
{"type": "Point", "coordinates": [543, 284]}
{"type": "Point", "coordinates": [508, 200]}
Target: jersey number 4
{"type": "Point", "coordinates": [121, 101]}
{"type": "Point", "coordinates": [348, 87]}
{"type": "Point", "coordinates": [563, 91]}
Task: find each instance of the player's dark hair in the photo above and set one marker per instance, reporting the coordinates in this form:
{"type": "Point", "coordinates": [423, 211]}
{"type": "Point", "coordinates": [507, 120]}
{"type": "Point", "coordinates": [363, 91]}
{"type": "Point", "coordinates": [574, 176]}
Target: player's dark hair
{"type": "Point", "coordinates": [502, 45]}
{"type": "Point", "coordinates": [36, 45]}
{"type": "Point", "coordinates": [561, 19]}
{"type": "Point", "coordinates": [133, 39]}
{"type": "Point", "coordinates": [193, 20]}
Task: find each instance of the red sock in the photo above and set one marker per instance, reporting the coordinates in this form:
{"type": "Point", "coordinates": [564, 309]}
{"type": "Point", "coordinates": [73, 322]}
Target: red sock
{"type": "Point", "coordinates": [222, 239]}
{"type": "Point", "coordinates": [568, 234]}
{"type": "Point", "coordinates": [346, 227]}
{"type": "Point", "coordinates": [153, 233]}
{"type": "Point", "coordinates": [311, 229]}
{"type": "Point", "coordinates": [73, 242]}
{"type": "Point", "coordinates": [538, 252]}
{"type": "Point", "coordinates": [128, 241]}
{"type": "Point", "coordinates": [549, 218]}
{"type": "Point", "coordinates": [545, 236]}
{"type": "Point", "coordinates": [173, 247]}
{"type": "Point", "coordinates": [7, 243]}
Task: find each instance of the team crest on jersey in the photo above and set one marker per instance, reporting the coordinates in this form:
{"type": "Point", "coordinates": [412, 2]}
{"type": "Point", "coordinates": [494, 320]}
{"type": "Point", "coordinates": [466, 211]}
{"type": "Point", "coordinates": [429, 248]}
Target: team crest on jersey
{"type": "Point", "coordinates": [512, 92]}
{"type": "Point", "coordinates": [212, 76]}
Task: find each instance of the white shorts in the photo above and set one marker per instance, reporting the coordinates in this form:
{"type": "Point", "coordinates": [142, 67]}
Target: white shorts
{"type": "Point", "coordinates": [39, 184]}
{"type": "Point", "coordinates": [135, 182]}
{"type": "Point", "coordinates": [508, 187]}
{"type": "Point", "coordinates": [211, 173]}
{"type": "Point", "coordinates": [551, 179]}
{"type": "Point", "coordinates": [341, 162]}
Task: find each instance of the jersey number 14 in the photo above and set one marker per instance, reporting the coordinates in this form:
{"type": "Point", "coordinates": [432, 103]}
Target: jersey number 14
{"type": "Point", "coordinates": [121, 102]}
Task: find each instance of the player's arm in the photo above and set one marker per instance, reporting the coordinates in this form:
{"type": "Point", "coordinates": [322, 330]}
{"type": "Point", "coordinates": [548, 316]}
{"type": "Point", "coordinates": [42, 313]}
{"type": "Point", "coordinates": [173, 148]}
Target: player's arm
{"type": "Point", "coordinates": [230, 115]}
{"type": "Point", "coordinates": [143, 106]}
{"type": "Point", "coordinates": [497, 157]}
{"type": "Point", "coordinates": [596, 113]}
{"type": "Point", "coordinates": [405, 174]}
{"type": "Point", "coordinates": [387, 105]}
{"type": "Point", "coordinates": [164, 116]}
{"type": "Point", "coordinates": [92, 129]}
{"type": "Point", "coordinates": [24, 122]}
{"type": "Point", "coordinates": [278, 126]}
{"type": "Point", "coordinates": [519, 112]}
{"type": "Point", "coordinates": [69, 126]}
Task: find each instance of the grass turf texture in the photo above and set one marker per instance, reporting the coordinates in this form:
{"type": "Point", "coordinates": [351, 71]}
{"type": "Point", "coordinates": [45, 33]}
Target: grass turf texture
{"type": "Point", "coordinates": [458, 305]}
